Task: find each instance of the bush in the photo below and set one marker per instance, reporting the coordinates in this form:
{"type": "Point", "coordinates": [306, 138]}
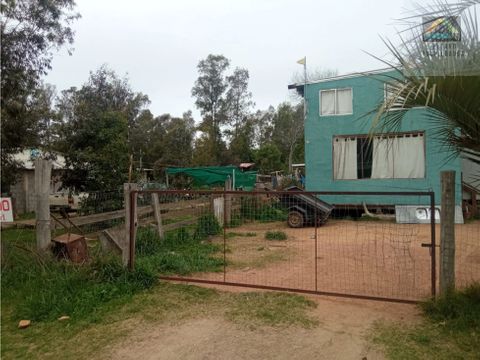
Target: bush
{"type": "Point", "coordinates": [275, 235]}
{"type": "Point", "coordinates": [460, 309]}
{"type": "Point", "coordinates": [253, 209]}
{"type": "Point", "coordinates": [207, 225]}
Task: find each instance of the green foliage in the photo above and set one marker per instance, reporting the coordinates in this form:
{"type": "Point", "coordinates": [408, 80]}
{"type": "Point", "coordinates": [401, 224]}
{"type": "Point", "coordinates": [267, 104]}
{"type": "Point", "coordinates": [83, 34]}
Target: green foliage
{"type": "Point", "coordinates": [207, 225]}
{"type": "Point", "coordinates": [288, 130]}
{"type": "Point", "coordinates": [96, 202]}
{"type": "Point", "coordinates": [275, 235]}
{"type": "Point", "coordinates": [31, 31]}
{"type": "Point", "coordinates": [252, 208]}
{"type": "Point", "coordinates": [447, 84]}
{"type": "Point", "coordinates": [79, 290]}
{"type": "Point", "coordinates": [95, 130]}
{"type": "Point", "coordinates": [459, 309]}
{"type": "Point", "coordinates": [268, 158]}
{"type": "Point", "coordinates": [43, 288]}
{"type": "Point", "coordinates": [179, 252]}
{"type": "Point", "coordinates": [449, 331]}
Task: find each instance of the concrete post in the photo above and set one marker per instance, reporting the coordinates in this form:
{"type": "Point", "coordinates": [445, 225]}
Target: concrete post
{"type": "Point", "coordinates": [43, 172]}
{"type": "Point", "coordinates": [447, 232]}
{"type": "Point", "coordinates": [158, 215]}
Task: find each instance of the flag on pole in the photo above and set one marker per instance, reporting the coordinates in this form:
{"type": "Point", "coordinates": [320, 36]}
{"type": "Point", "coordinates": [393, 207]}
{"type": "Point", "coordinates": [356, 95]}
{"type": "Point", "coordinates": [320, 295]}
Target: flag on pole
{"type": "Point", "coordinates": [302, 61]}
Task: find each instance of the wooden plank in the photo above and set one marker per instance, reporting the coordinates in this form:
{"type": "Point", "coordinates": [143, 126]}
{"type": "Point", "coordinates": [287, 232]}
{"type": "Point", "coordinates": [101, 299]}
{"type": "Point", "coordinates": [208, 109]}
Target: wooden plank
{"type": "Point", "coordinates": [142, 211]}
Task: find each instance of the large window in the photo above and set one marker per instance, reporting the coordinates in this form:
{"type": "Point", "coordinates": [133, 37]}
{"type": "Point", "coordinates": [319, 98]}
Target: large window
{"type": "Point", "coordinates": [393, 156]}
{"type": "Point", "coordinates": [336, 102]}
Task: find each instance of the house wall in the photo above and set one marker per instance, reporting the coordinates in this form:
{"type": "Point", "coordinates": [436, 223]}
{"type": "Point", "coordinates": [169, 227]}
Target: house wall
{"type": "Point", "coordinates": [367, 91]}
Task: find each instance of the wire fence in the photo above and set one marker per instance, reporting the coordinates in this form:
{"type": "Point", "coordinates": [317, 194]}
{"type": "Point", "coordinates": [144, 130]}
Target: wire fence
{"type": "Point", "coordinates": [89, 213]}
{"type": "Point", "coordinates": [277, 240]}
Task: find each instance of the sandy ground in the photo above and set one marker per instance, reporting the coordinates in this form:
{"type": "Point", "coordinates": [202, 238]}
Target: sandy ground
{"type": "Point", "coordinates": [341, 334]}
{"type": "Point", "coordinates": [381, 259]}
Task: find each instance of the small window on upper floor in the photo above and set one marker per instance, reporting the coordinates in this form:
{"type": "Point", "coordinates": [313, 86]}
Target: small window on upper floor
{"type": "Point", "coordinates": [336, 102]}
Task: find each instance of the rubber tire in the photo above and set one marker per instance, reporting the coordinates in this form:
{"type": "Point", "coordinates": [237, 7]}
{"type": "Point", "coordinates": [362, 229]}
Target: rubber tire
{"type": "Point", "coordinates": [295, 219]}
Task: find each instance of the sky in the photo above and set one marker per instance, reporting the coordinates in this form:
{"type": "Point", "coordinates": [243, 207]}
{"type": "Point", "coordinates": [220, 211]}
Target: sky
{"type": "Point", "coordinates": [158, 44]}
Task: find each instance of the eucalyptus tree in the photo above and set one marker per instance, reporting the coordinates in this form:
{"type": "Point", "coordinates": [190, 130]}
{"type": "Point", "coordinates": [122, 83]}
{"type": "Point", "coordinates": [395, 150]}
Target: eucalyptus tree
{"type": "Point", "coordinates": [31, 31]}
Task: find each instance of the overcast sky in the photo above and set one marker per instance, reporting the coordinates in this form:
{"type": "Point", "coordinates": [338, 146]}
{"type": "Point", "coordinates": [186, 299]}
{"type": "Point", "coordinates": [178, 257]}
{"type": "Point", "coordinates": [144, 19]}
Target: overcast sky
{"type": "Point", "coordinates": [159, 43]}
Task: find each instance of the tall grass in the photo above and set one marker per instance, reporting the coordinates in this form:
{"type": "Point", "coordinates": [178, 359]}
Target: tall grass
{"type": "Point", "coordinates": [450, 329]}
{"type": "Point", "coordinates": [41, 288]}
{"type": "Point", "coordinates": [457, 309]}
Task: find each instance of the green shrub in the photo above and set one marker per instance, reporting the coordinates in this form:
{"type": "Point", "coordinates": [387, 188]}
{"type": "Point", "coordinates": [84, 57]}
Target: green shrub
{"type": "Point", "coordinates": [275, 235]}
{"type": "Point", "coordinates": [252, 208]}
{"type": "Point", "coordinates": [179, 252]}
{"type": "Point", "coordinates": [461, 309]}
{"type": "Point", "coordinates": [43, 288]}
{"type": "Point", "coordinates": [207, 225]}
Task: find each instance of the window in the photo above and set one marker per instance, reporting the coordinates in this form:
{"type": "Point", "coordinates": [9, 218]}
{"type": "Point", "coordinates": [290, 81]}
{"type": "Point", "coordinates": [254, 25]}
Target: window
{"type": "Point", "coordinates": [364, 158]}
{"type": "Point", "coordinates": [336, 102]}
{"type": "Point", "coordinates": [396, 156]}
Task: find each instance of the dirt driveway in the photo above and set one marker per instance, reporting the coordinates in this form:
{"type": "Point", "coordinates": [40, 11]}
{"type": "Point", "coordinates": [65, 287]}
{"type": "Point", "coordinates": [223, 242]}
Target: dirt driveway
{"type": "Point", "coordinates": [341, 334]}
{"type": "Point", "coordinates": [369, 258]}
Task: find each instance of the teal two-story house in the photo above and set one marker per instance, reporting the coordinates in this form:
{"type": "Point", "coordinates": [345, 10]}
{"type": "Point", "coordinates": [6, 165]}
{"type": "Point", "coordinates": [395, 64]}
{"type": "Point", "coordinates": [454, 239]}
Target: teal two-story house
{"type": "Point", "coordinates": [339, 155]}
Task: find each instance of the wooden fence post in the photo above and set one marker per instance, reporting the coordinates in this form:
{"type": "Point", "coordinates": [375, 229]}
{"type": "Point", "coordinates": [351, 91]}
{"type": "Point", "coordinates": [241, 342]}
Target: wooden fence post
{"type": "Point", "coordinates": [128, 245]}
{"type": "Point", "coordinates": [43, 172]}
{"type": "Point", "coordinates": [158, 215]}
{"type": "Point", "coordinates": [447, 232]}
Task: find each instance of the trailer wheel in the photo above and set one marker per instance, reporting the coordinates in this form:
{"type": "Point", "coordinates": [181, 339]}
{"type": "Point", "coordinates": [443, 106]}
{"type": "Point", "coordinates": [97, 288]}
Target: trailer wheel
{"type": "Point", "coordinates": [295, 219]}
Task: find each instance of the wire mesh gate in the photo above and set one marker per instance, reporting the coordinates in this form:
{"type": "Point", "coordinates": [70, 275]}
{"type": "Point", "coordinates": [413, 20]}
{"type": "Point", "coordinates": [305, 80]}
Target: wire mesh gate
{"type": "Point", "coordinates": [243, 239]}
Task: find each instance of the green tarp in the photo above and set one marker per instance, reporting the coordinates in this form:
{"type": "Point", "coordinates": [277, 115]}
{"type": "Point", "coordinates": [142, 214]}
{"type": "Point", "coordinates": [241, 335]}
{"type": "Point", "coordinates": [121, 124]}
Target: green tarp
{"type": "Point", "coordinates": [216, 175]}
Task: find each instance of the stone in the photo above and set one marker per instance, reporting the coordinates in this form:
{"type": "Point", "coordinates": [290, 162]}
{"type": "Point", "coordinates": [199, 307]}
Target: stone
{"type": "Point", "coordinates": [23, 324]}
{"type": "Point", "coordinates": [63, 318]}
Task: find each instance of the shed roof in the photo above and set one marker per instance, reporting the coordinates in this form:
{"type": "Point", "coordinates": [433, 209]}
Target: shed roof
{"type": "Point", "coordinates": [27, 158]}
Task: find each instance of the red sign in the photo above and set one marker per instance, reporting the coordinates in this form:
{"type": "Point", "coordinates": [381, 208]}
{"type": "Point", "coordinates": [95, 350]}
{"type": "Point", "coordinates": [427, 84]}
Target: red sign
{"type": "Point", "coordinates": [6, 213]}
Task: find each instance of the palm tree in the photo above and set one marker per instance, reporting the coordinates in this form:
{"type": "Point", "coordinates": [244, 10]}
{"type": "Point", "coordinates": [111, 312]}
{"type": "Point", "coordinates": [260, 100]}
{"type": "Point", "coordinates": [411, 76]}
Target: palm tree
{"type": "Point", "coordinates": [447, 82]}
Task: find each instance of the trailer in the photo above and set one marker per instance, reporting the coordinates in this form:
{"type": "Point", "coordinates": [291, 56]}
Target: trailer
{"type": "Point", "coordinates": [304, 209]}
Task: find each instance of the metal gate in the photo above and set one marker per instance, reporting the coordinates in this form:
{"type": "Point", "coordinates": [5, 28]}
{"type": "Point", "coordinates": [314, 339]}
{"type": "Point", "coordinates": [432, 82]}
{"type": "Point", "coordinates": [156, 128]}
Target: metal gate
{"type": "Point", "coordinates": [242, 239]}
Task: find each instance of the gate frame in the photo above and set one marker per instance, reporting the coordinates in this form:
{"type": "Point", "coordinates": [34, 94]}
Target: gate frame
{"type": "Point", "coordinates": [131, 236]}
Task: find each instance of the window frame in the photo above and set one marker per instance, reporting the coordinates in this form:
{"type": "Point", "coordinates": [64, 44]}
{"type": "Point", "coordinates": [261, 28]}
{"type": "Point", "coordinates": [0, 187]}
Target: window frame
{"type": "Point", "coordinates": [335, 101]}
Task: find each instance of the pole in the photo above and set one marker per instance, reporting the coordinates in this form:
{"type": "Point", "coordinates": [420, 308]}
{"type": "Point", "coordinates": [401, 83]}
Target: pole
{"type": "Point", "coordinates": [305, 89]}
{"type": "Point", "coordinates": [43, 171]}
{"type": "Point", "coordinates": [447, 232]}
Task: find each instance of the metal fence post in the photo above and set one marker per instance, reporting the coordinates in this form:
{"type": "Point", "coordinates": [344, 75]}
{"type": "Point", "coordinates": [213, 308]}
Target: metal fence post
{"type": "Point", "coordinates": [447, 232]}
{"type": "Point", "coordinates": [43, 171]}
{"type": "Point", "coordinates": [433, 246]}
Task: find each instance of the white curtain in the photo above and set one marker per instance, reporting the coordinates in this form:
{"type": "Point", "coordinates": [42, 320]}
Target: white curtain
{"type": "Point", "coordinates": [400, 157]}
{"type": "Point", "coordinates": [382, 165]}
{"type": "Point", "coordinates": [344, 158]}
{"type": "Point", "coordinates": [409, 161]}
{"type": "Point", "coordinates": [344, 101]}
{"type": "Point", "coordinates": [327, 102]}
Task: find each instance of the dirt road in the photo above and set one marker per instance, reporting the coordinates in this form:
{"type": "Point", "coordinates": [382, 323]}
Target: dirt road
{"type": "Point", "coordinates": [341, 334]}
